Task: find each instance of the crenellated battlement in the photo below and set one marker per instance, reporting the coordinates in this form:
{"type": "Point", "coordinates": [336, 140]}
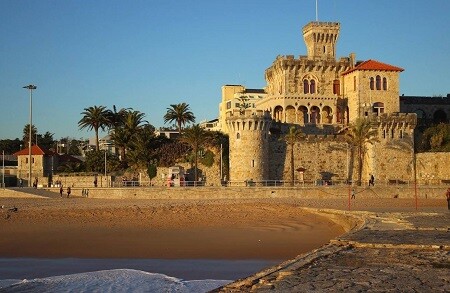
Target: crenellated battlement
{"type": "Point", "coordinates": [402, 120]}
{"type": "Point", "coordinates": [251, 120]}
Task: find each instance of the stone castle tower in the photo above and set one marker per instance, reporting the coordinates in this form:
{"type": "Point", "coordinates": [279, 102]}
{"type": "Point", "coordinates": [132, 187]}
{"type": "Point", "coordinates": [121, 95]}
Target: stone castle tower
{"type": "Point", "coordinates": [320, 39]}
{"type": "Point", "coordinates": [249, 141]}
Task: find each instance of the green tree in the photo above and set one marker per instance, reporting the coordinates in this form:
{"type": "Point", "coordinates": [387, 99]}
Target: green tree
{"type": "Point", "coordinates": [179, 113]}
{"type": "Point", "coordinates": [46, 140]}
{"type": "Point", "coordinates": [151, 172]}
{"type": "Point", "coordinates": [143, 147]}
{"type": "Point", "coordinates": [196, 137]}
{"type": "Point", "coordinates": [436, 138]}
{"type": "Point", "coordinates": [95, 162]}
{"type": "Point", "coordinates": [132, 123]}
{"type": "Point", "coordinates": [10, 146]}
{"type": "Point", "coordinates": [359, 135]}
{"type": "Point", "coordinates": [291, 138]}
{"type": "Point", "coordinates": [243, 104]}
{"type": "Point", "coordinates": [94, 117]}
{"type": "Point", "coordinates": [26, 134]}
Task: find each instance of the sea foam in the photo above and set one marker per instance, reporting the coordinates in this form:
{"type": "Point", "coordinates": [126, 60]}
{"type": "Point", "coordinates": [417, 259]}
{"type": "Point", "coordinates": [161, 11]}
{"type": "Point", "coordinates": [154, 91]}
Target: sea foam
{"type": "Point", "coordinates": [119, 280]}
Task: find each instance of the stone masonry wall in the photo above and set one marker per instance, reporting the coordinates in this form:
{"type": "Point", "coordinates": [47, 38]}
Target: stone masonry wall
{"type": "Point", "coordinates": [433, 167]}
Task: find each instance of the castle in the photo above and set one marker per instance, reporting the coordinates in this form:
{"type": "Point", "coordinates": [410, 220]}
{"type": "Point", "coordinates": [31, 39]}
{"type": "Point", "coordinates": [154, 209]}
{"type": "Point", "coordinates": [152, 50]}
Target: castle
{"type": "Point", "coordinates": [321, 95]}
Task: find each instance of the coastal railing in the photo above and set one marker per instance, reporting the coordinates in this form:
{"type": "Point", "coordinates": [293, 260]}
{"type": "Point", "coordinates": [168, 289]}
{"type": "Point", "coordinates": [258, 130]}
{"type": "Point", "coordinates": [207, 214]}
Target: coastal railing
{"type": "Point", "coordinates": [284, 183]}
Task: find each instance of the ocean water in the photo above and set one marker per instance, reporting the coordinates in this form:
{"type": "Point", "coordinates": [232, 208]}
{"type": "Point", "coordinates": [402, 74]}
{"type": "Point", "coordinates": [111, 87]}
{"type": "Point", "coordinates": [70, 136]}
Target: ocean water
{"type": "Point", "coordinates": [120, 280]}
{"type": "Point", "coordinates": [122, 275]}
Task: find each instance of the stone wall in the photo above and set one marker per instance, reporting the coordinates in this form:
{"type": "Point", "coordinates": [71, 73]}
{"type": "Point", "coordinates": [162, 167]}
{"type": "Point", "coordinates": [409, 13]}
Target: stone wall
{"type": "Point", "coordinates": [341, 192]}
{"type": "Point", "coordinates": [322, 157]}
{"type": "Point", "coordinates": [433, 167]}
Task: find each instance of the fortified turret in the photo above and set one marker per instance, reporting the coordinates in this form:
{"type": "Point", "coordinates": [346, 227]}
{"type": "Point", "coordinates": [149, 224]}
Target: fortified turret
{"type": "Point", "coordinates": [249, 145]}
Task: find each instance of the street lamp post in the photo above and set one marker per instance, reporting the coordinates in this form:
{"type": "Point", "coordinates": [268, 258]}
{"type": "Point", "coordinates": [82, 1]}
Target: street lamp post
{"type": "Point", "coordinates": [3, 173]}
{"type": "Point", "coordinates": [30, 88]}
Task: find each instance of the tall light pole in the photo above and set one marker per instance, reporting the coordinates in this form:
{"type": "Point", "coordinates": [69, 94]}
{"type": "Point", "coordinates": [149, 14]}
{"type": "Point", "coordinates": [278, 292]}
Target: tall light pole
{"type": "Point", "coordinates": [30, 88]}
{"type": "Point", "coordinates": [3, 174]}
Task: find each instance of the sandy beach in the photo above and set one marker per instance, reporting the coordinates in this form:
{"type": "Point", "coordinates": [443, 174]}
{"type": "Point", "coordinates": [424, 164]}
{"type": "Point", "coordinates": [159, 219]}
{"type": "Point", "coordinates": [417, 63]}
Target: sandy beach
{"type": "Point", "coordinates": [97, 228]}
{"type": "Point", "coordinates": [272, 228]}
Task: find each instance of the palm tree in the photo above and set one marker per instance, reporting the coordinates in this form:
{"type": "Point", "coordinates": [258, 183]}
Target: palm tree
{"type": "Point", "coordinates": [142, 148]}
{"type": "Point", "coordinates": [115, 119]}
{"type": "Point", "coordinates": [360, 133]}
{"type": "Point", "coordinates": [94, 118]}
{"type": "Point", "coordinates": [196, 137]}
{"type": "Point", "coordinates": [291, 139]}
{"type": "Point", "coordinates": [26, 133]}
{"type": "Point", "coordinates": [179, 113]}
{"type": "Point", "coordinates": [132, 122]}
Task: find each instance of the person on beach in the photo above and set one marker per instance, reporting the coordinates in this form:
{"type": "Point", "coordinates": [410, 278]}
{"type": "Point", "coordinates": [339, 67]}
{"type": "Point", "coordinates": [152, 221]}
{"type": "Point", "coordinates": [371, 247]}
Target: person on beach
{"type": "Point", "coordinates": [68, 191]}
{"type": "Point", "coordinates": [447, 194]}
{"type": "Point", "coordinates": [61, 190]}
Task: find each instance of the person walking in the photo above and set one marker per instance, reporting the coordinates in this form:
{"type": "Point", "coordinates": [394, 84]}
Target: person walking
{"type": "Point", "coordinates": [447, 194]}
{"type": "Point", "coordinates": [61, 190]}
{"type": "Point", "coordinates": [68, 191]}
{"type": "Point", "coordinates": [353, 194]}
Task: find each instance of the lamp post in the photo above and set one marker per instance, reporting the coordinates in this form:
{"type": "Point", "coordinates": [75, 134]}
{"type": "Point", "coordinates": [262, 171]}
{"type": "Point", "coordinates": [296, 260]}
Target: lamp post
{"type": "Point", "coordinates": [3, 174]}
{"type": "Point", "coordinates": [30, 88]}
{"type": "Point", "coordinates": [106, 178]}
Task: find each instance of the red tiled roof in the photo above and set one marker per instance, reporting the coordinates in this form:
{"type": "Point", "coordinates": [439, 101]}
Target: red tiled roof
{"type": "Point", "coordinates": [35, 150]}
{"type": "Point", "coordinates": [374, 65]}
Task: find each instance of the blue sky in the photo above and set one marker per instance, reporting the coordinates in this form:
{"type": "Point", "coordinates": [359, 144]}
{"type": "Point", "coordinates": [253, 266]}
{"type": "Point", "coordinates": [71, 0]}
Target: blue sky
{"type": "Point", "coordinates": [148, 54]}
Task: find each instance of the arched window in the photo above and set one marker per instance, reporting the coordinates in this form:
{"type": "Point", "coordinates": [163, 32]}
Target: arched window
{"type": "Point", "coordinates": [305, 86]}
{"type": "Point", "coordinates": [378, 82]}
{"type": "Point", "coordinates": [384, 84]}
{"type": "Point", "coordinates": [372, 84]}
{"type": "Point", "coordinates": [238, 136]}
{"type": "Point", "coordinates": [312, 87]}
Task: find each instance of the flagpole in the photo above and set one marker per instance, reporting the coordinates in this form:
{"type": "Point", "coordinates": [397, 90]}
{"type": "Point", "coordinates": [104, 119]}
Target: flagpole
{"type": "Point", "coordinates": [317, 13]}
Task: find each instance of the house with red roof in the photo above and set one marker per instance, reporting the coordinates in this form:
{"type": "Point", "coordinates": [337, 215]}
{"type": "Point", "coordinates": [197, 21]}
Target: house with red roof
{"type": "Point", "coordinates": [43, 162]}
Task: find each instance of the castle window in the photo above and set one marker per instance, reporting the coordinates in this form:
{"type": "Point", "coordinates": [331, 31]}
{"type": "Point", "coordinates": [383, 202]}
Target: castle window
{"type": "Point", "coordinates": [238, 136]}
{"type": "Point", "coordinates": [312, 87]}
{"type": "Point", "coordinates": [378, 81]}
{"type": "Point", "coordinates": [336, 87]}
{"type": "Point", "coordinates": [354, 83]}
{"type": "Point", "coordinates": [305, 86]}
{"type": "Point", "coordinates": [253, 163]}
{"type": "Point", "coordinates": [401, 133]}
{"type": "Point", "coordinates": [229, 105]}
{"type": "Point", "coordinates": [26, 161]}
{"type": "Point", "coordinates": [378, 108]}
{"type": "Point", "coordinates": [384, 83]}
{"type": "Point", "coordinates": [384, 133]}
{"type": "Point", "coordinates": [372, 83]}
{"type": "Point", "coordinates": [392, 132]}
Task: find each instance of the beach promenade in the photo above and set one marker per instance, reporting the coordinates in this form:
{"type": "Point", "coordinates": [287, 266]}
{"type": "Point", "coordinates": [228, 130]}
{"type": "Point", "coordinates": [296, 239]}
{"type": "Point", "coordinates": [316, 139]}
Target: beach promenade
{"type": "Point", "coordinates": [387, 252]}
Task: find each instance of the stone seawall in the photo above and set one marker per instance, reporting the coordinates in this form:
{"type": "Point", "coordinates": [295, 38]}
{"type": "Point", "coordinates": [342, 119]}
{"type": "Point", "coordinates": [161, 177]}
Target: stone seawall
{"type": "Point", "coordinates": [259, 192]}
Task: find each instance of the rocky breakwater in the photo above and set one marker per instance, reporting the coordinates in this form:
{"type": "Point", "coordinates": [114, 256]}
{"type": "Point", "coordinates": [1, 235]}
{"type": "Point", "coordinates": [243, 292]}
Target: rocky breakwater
{"type": "Point", "coordinates": [395, 252]}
